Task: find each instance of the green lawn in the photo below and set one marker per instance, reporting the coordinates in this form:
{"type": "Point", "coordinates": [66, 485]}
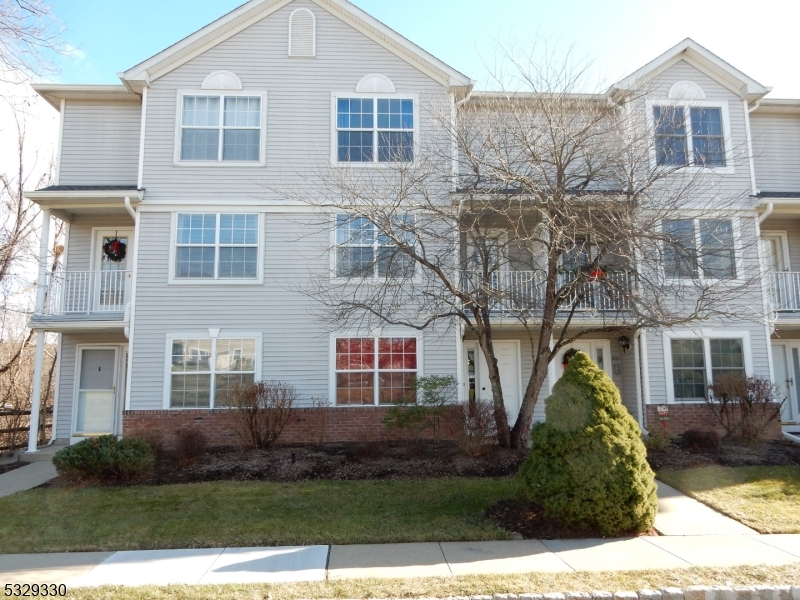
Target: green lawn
{"type": "Point", "coordinates": [764, 498]}
{"type": "Point", "coordinates": [228, 513]}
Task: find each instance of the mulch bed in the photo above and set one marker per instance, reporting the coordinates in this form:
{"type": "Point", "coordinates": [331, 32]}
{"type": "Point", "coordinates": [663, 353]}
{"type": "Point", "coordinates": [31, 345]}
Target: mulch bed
{"type": "Point", "coordinates": [12, 466]}
{"type": "Point", "coordinates": [374, 460]}
{"type": "Point", "coordinates": [770, 453]}
{"type": "Point", "coordinates": [526, 519]}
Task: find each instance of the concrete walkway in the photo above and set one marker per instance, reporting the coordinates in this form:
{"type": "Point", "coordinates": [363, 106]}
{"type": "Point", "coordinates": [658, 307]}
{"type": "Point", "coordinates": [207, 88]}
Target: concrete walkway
{"type": "Point", "coordinates": [388, 561]}
{"type": "Point", "coordinates": [678, 514]}
{"type": "Point", "coordinates": [27, 477]}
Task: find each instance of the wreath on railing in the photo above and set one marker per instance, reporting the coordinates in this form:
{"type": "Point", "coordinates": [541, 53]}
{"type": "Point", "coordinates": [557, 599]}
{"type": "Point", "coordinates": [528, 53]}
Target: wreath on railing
{"type": "Point", "coordinates": [115, 250]}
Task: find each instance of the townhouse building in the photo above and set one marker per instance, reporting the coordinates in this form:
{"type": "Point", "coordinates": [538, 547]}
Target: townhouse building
{"type": "Point", "coordinates": [183, 259]}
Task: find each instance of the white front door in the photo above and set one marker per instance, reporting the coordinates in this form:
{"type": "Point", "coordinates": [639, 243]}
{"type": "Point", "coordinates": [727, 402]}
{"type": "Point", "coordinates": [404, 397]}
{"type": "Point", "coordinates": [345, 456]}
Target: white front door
{"type": "Point", "coordinates": [598, 350]}
{"type": "Point", "coordinates": [96, 403]}
{"type": "Point", "coordinates": [507, 354]}
{"type": "Point", "coordinates": [111, 279]}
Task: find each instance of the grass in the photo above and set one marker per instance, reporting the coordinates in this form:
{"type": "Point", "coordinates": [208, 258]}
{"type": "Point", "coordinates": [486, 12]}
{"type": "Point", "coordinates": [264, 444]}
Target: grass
{"type": "Point", "coordinates": [226, 513]}
{"type": "Point", "coordinates": [460, 586]}
{"type": "Point", "coordinates": [764, 498]}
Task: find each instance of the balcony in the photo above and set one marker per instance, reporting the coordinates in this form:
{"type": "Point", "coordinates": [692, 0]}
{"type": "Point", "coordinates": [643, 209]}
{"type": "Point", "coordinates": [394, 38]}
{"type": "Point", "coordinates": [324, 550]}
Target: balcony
{"type": "Point", "coordinates": [784, 291]}
{"type": "Point", "coordinates": [83, 297]}
{"type": "Point", "coordinates": [524, 290]}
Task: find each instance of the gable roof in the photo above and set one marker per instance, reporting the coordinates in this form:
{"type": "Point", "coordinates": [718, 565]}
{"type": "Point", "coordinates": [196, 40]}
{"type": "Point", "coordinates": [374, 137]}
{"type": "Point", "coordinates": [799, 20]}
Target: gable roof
{"type": "Point", "coordinates": [253, 11]}
{"type": "Point", "coordinates": [696, 55]}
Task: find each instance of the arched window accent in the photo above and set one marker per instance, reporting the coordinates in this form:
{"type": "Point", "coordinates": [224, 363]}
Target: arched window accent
{"type": "Point", "coordinates": [686, 90]}
{"type": "Point", "coordinates": [375, 82]}
{"type": "Point", "coordinates": [302, 33]}
{"type": "Point", "coordinates": [222, 80]}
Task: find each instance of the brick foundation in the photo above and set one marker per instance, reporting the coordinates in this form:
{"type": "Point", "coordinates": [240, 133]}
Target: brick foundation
{"type": "Point", "coordinates": [306, 425]}
{"type": "Point", "coordinates": [695, 416]}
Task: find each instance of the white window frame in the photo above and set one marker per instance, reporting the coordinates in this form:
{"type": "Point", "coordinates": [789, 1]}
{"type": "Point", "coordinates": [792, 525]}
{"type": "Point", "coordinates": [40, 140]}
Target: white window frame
{"type": "Point", "coordinates": [375, 336]}
{"type": "Point", "coordinates": [375, 279]}
{"type": "Point", "coordinates": [376, 96]}
{"type": "Point", "coordinates": [706, 335]}
{"type": "Point", "coordinates": [737, 248]}
{"type": "Point", "coordinates": [204, 335]}
{"type": "Point", "coordinates": [262, 161]}
{"type": "Point", "coordinates": [216, 280]}
{"type": "Point", "coordinates": [687, 105]}
{"type": "Point", "coordinates": [784, 238]}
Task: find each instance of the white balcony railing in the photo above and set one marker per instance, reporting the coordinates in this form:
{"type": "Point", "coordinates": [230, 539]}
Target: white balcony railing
{"type": "Point", "coordinates": [524, 290]}
{"type": "Point", "coordinates": [74, 292]}
{"type": "Point", "coordinates": [784, 290]}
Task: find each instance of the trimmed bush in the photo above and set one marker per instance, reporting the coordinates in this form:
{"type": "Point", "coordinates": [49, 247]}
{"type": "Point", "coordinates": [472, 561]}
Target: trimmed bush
{"type": "Point", "coordinates": [587, 466]}
{"type": "Point", "coordinates": [698, 440]}
{"type": "Point", "coordinates": [104, 458]}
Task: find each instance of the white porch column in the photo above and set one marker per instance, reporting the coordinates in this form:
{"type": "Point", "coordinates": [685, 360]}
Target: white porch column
{"type": "Point", "coordinates": [36, 392]}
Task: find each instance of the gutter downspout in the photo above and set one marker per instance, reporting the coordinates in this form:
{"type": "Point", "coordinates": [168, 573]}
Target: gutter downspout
{"type": "Point", "coordinates": [645, 374]}
{"type": "Point", "coordinates": [129, 208]}
{"type": "Point", "coordinates": [637, 367]}
{"type": "Point", "coordinates": [747, 111]}
{"type": "Point", "coordinates": [766, 213]}
{"type": "Point", "coordinates": [460, 329]}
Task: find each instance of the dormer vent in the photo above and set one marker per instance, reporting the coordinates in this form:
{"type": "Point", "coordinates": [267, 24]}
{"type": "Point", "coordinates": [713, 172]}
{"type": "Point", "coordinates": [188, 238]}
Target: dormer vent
{"type": "Point", "coordinates": [686, 90]}
{"type": "Point", "coordinates": [375, 82]}
{"type": "Point", "coordinates": [222, 80]}
{"type": "Point", "coordinates": [302, 33]}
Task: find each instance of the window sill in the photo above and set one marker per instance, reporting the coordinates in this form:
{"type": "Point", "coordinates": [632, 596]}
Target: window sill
{"type": "Point", "coordinates": [176, 281]}
{"type": "Point", "coordinates": [220, 163]}
{"type": "Point", "coordinates": [373, 281]}
{"type": "Point", "coordinates": [729, 170]}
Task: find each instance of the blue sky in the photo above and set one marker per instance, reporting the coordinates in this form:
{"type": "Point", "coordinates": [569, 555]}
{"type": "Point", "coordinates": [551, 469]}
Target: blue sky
{"type": "Point", "coordinates": [617, 35]}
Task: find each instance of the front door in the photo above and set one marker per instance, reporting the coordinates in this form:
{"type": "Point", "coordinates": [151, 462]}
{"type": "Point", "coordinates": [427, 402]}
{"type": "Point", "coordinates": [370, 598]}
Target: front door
{"type": "Point", "coordinates": [111, 274]}
{"type": "Point", "coordinates": [96, 403]}
{"type": "Point", "coordinates": [598, 350]}
{"type": "Point", "coordinates": [507, 354]}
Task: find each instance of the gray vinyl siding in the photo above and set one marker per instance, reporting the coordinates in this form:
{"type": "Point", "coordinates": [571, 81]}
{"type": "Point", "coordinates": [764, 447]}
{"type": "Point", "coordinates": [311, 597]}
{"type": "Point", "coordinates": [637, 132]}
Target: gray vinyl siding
{"type": "Point", "coordinates": [100, 143]}
{"type": "Point", "coordinates": [298, 107]}
{"type": "Point", "coordinates": [776, 150]}
{"type": "Point", "coordinates": [66, 383]}
{"type": "Point", "coordinates": [719, 190]}
{"type": "Point", "coordinates": [79, 245]}
{"type": "Point", "coordinates": [296, 339]}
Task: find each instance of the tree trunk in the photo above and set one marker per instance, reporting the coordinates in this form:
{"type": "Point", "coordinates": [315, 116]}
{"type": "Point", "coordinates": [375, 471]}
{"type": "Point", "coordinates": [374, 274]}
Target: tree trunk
{"type": "Point", "coordinates": [500, 416]}
{"type": "Point", "coordinates": [519, 434]}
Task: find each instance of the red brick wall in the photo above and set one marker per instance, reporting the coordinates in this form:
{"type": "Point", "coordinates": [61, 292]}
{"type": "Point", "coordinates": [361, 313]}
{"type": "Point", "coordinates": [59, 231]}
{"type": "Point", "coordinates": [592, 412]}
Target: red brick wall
{"type": "Point", "coordinates": [695, 416]}
{"type": "Point", "coordinates": [307, 425]}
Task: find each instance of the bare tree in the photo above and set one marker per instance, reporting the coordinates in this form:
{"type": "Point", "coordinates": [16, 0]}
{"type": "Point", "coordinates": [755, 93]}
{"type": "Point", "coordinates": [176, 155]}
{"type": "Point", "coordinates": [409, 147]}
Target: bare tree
{"type": "Point", "coordinates": [561, 218]}
{"type": "Point", "coordinates": [29, 37]}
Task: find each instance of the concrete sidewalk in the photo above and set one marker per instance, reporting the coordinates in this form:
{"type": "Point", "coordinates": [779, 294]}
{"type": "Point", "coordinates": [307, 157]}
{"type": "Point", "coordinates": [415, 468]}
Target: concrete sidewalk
{"type": "Point", "coordinates": [678, 514]}
{"type": "Point", "coordinates": [27, 477]}
{"type": "Point", "coordinates": [388, 561]}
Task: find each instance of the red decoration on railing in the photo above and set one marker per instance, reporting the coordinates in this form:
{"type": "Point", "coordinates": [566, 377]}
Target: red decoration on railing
{"type": "Point", "coordinates": [596, 274]}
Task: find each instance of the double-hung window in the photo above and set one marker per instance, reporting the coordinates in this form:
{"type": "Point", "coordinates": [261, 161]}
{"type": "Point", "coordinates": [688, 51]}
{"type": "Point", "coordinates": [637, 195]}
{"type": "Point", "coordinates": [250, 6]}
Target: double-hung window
{"type": "Point", "coordinates": [687, 135]}
{"type": "Point", "coordinates": [217, 246]}
{"type": "Point", "coordinates": [695, 246]}
{"type": "Point", "coordinates": [699, 362]}
{"type": "Point", "coordinates": [202, 371]}
{"type": "Point", "coordinates": [375, 370]}
{"type": "Point", "coordinates": [370, 130]}
{"type": "Point", "coordinates": [221, 128]}
{"type": "Point", "coordinates": [364, 251]}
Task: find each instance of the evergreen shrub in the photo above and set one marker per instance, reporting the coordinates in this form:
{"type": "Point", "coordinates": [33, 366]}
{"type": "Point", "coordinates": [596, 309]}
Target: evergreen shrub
{"type": "Point", "coordinates": [105, 457]}
{"type": "Point", "coordinates": [587, 467]}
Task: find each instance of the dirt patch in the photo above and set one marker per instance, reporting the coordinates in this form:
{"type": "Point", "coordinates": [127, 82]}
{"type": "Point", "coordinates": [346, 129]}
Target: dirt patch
{"type": "Point", "coordinates": [526, 519]}
{"type": "Point", "coordinates": [731, 454]}
{"type": "Point", "coordinates": [12, 466]}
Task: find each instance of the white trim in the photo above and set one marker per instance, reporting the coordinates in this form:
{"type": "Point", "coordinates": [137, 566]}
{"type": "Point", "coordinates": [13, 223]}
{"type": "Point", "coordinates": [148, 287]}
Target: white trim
{"type": "Point", "coordinates": [686, 90]}
{"type": "Point", "coordinates": [95, 260]}
{"type": "Point", "coordinates": [172, 280]}
{"type": "Point", "coordinates": [690, 167]}
{"type": "Point", "coordinates": [375, 80]}
{"type": "Point", "coordinates": [705, 335]}
{"type": "Point", "coordinates": [142, 132]}
{"type": "Point", "coordinates": [750, 157]}
{"type": "Point", "coordinates": [203, 335]}
{"type": "Point", "coordinates": [375, 335]}
{"type": "Point", "coordinates": [313, 33]}
{"type": "Point", "coordinates": [222, 94]}
{"type": "Point", "coordinates": [645, 369]}
{"type": "Point", "coordinates": [638, 378]}
{"type": "Point", "coordinates": [116, 425]}
{"type": "Point", "coordinates": [60, 142]}
{"type": "Point", "coordinates": [334, 157]}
